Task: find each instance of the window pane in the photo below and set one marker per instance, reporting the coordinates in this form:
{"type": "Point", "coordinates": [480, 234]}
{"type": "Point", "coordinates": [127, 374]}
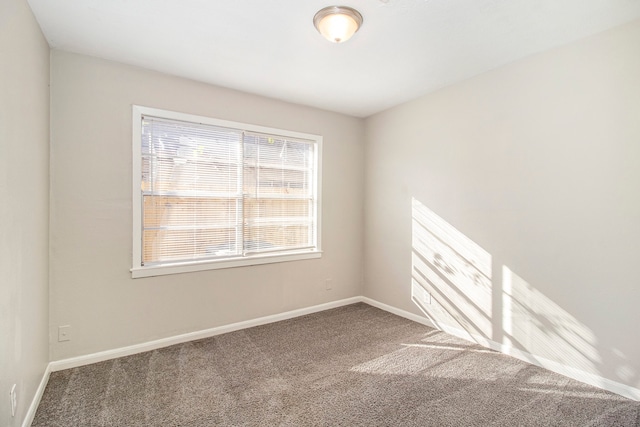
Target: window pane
{"type": "Point", "coordinates": [187, 244]}
{"type": "Point", "coordinates": [278, 187]}
{"type": "Point", "coordinates": [277, 208]}
{"type": "Point", "coordinates": [168, 212]}
{"type": "Point", "coordinates": [284, 236]}
{"type": "Point", "coordinates": [191, 186]}
{"type": "Point", "coordinates": [180, 157]}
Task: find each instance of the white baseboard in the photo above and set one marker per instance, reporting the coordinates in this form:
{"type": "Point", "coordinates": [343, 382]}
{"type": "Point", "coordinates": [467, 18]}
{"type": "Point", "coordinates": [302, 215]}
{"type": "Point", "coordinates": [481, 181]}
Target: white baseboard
{"type": "Point", "coordinates": [559, 368]}
{"type": "Point", "coordinates": [568, 371]}
{"type": "Point", "coordinates": [399, 312]}
{"type": "Point", "coordinates": [74, 362]}
{"type": "Point", "coordinates": [33, 407]}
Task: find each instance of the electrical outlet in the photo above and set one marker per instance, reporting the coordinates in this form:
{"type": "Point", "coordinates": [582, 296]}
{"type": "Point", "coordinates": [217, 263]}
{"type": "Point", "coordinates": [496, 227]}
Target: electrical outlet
{"type": "Point", "coordinates": [64, 333]}
{"type": "Point", "coordinates": [13, 395]}
{"type": "Point", "coordinates": [328, 284]}
{"type": "Point", "coordinates": [426, 297]}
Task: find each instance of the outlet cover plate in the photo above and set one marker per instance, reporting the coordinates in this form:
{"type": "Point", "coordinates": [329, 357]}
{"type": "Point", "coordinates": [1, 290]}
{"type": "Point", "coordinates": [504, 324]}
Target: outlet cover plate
{"type": "Point", "coordinates": [64, 333]}
{"type": "Point", "coordinates": [14, 400]}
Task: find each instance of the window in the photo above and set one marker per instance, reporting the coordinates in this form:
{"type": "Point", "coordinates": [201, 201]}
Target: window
{"type": "Point", "coordinates": [213, 194]}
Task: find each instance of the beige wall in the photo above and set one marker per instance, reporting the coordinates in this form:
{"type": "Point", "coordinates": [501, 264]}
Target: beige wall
{"type": "Point", "coordinates": [24, 210]}
{"type": "Point", "coordinates": [91, 225]}
{"type": "Point", "coordinates": [514, 199]}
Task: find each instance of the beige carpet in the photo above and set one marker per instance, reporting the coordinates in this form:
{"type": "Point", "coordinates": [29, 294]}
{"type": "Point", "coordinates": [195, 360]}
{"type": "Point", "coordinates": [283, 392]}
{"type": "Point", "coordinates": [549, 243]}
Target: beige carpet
{"type": "Point", "coordinates": [350, 366]}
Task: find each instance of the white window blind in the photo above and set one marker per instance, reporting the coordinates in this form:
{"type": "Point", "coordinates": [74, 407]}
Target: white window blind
{"type": "Point", "coordinates": [212, 193]}
{"type": "Point", "coordinates": [279, 203]}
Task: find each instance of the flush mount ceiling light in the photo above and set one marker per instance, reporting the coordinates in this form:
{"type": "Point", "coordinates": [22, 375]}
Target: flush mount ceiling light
{"type": "Point", "coordinates": [337, 23]}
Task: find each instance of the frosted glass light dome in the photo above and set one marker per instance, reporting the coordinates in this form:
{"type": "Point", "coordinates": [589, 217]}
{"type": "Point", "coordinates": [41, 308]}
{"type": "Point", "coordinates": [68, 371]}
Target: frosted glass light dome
{"type": "Point", "coordinates": [337, 23]}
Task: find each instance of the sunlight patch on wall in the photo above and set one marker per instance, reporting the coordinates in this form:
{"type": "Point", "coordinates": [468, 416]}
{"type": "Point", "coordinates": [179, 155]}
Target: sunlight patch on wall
{"type": "Point", "coordinates": [451, 274]}
{"type": "Point", "coordinates": [533, 323]}
{"type": "Point", "coordinates": [453, 285]}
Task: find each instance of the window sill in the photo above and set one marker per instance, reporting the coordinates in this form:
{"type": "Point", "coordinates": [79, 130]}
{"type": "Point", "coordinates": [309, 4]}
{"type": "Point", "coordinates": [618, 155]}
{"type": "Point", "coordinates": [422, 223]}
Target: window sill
{"type": "Point", "coordinates": [161, 270]}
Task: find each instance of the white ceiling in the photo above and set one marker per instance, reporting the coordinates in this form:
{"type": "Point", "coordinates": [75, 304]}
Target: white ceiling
{"type": "Point", "coordinates": [405, 48]}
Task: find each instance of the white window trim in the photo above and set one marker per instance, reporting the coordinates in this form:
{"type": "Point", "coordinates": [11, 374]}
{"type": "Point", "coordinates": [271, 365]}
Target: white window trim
{"type": "Point", "coordinates": [138, 270]}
